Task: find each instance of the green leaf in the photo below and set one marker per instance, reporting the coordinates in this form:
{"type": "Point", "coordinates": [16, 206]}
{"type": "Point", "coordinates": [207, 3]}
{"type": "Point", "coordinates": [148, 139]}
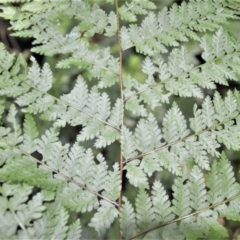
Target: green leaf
{"type": "Point", "coordinates": [144, 211]}
{"type": "Point", "coordinates": [181, 204]}
{"type": "Point", "coordinates": [174, 125]}
{"type": "Point", "coordinates": [128, 146]}
{"type": "Point", "coordinates": [127, 219]}
{"type": "Point", "coordinates": [197, 190]}
{"type": "Point", "coordinates": [161, 204]}
{"type": "Point", "coordinates": [136, 175]}
{"type": "Point", "coordinates": [104, 217]}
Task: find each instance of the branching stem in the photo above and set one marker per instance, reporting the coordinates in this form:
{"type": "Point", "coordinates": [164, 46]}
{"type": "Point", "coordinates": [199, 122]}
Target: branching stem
{"type": "Point", "coordinates": [78, 109]}
{"type": "Point", "coordinates": [187, 216]}
{"type": "Point", "coordinates": [175, 77]}
{"type": "Point", "coordinates": [179, 140]}
{"type": "Point", "coordinates": [61, 174]}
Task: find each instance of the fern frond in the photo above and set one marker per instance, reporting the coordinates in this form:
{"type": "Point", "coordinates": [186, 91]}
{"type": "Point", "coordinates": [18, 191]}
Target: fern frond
{"type": "Point", "coordinates": [128, 143]}
{"type": "Point", "coordinates": [167, 159]}
{"type": "Point", "coordinates": [229, 187]}
{"type": "Point", "coordinates": [101, 179]}
{"type": "Point", "coordinates": [53, 224]}
{"type": "Point", "coordinates": [181, 205]}
{"type": "Point", "coordinates": [199, 216]}
{"type": "Point", "coordinates": [75, 199]}
{"type": "Point", "coordinates": [144, 211]}
{"type": "Point", "coordinates": [127, 219]}
{"type": "Point", "coordinates": [209, 133]}
{"type": "Point", "coordinates": [129, 11]}
{"type": "Point", "coordinates": [16, 211]}
{"type": "Point", "coordinates": [180, 77]}
{"type": "Point", "coordinates": [108, 136]}
{"type": "Point", "coordinates": [86, 163]}
{"type": "Point", "coordinates": [40, 78]}
{"type": "Point", "coordinates": [33, 219]}
{"type": "Point", "coordinates": [136, 174]}
{"type": "Point", "coordinates": [45, 184]}
{"type": "Point", "coordinates": [36, 178]}
{"type": "Point", "coordinates": [17, 170]}
{"type": "Point", "coordinates": [30, 133]}
{"type": "Point", "coordinates": [214, 182]}
{"type": "Point", "coordinates": [112, 27]}
{"type": "Point", "coordinates": [48, 145]}
{"type": "Point", "coordinates": [104, 217]}
{"type": "Point", "coordinates": [55, 156]}
{"type": "Point", "coordinates": [104, 65]}
{"type": "Point", "coordinates": [15, 136]}
{"type": "Point", "coordinates": [142, 137]}
{"type": "Point", "coordinates": [174, 125]}
{"type": "Point", "coordinates": [13, 73]}
{"type": "Point", "coordinates": [56, 159]}
{"type": "Point", "coordinates": [134, 105]}
{"type": "Point", "coordinates": [51, 40]}
{"type": "Point", "coordinates": [112, 184]}
{"type": "Point", "coordinates": [74, 230]}
{"type": "Point", "coordinates": [161, 204]}
{"type": "Point", "coordinates": [176, 24]}
{"type": "Point", "coordinates": [38, 100]}
{"type": "Point", "coordinates": [197, 190]}
{"type": "Point", "coordinates": [220, 44]}
{"type": "Point", "coordinates": [150, 164]}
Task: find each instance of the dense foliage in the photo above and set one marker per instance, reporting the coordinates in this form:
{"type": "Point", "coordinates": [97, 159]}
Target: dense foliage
{"type": "Point", "coordinates": [131, 127]}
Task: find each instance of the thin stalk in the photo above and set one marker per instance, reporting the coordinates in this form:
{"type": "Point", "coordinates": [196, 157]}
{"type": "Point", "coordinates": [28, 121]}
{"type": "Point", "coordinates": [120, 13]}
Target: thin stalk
{"type": "Point", "coordinates": [120, 52]}
{"type": "Point", "coordinates": [69, 179]}
{"type": "Point", "coordinates": [78, 109]}
{"type": "Point", "coordinates": [177, 76]}
{"type": "Point", "coordinates": [179, 140]}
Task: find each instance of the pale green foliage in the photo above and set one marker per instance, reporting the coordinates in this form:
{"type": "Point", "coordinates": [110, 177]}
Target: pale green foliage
{"type": "Point", "coordinates": [130, 10]}
{"type": "Point", "coordinates": [128, 219]}
{"type": "Point", "coordinates": [169, 26]}
{"type": "Point", "coordinates": [34, 218]}
{"type": "Point", "coordinates": [107, 213]}
{"type": "Point", "coordinates": [48, 187]}
{"type": "Point", "coordinates": [190, 194]}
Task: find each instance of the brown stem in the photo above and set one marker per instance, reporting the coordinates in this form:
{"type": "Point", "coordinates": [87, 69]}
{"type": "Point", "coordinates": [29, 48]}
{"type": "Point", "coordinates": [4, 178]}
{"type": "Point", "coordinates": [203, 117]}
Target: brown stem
{"type": "Point", "coordinates": [120, 52]}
